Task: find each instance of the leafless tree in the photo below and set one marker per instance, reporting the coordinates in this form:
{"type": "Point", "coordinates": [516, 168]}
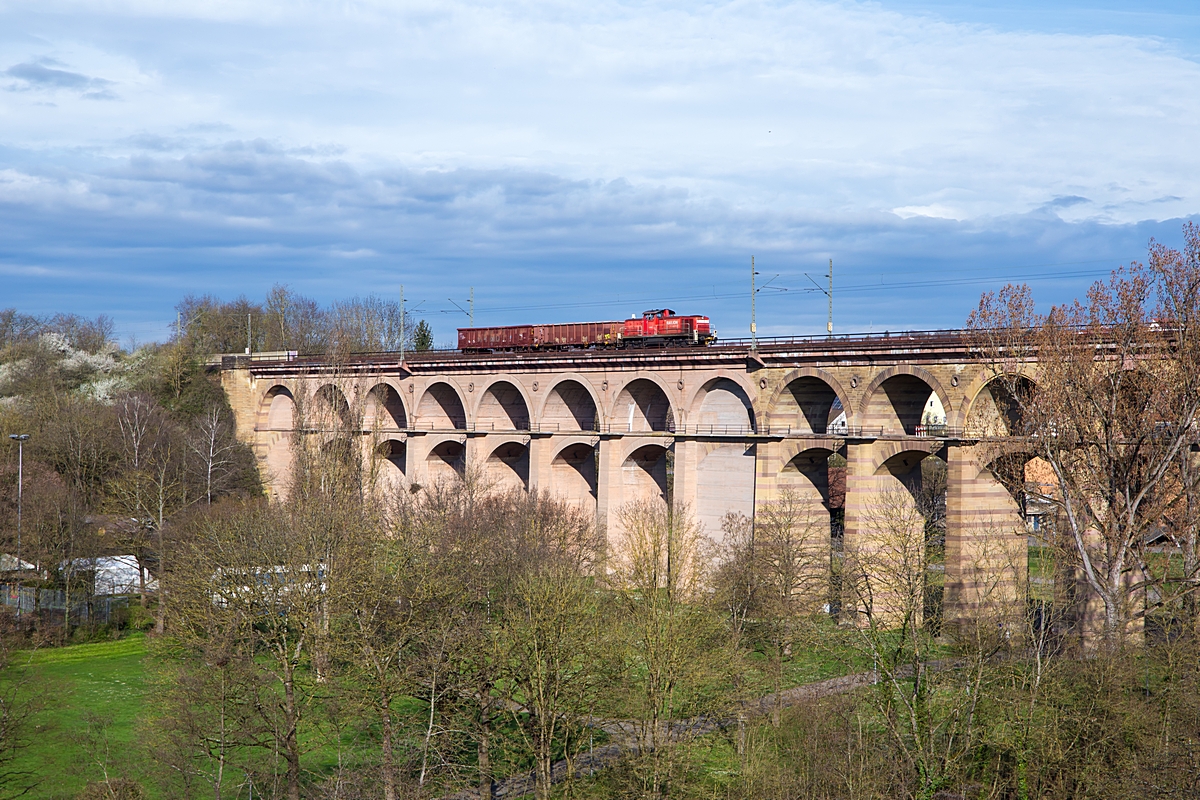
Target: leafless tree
{"type": "Point", "coordinates": [214, 446]}
{"type": "Point", "coordinates": [926, 694]}
{"type": "Point", "coordinates": [673, 644]}
{"type": "Point", "coordinates": [150, 485]}
{"type": "Point", "coordinates": [792, 561]}
{"type": "Point", "coordinates": [552, 637]}
{"type": "Point", "coordinates": [246, 578]}
{"type": "Point", "coordinates": [1112, 408]}
{"type": "Point", "coordinates": [206, 721]}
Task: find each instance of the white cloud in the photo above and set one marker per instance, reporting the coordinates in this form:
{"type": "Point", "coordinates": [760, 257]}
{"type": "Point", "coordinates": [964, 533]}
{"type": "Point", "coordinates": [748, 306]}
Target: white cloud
{"type": "Point", "coordinates": [809, 105]}
{"type": "Point", "coordinates": [373, 132]}
{"type": "Point", "coordinates": [936, 211]}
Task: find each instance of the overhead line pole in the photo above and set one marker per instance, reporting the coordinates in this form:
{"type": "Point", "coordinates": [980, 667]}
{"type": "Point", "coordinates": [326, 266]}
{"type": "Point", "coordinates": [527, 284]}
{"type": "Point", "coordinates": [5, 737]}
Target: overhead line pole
{"type": "Point", "coordinates": [828, 293]}
{"type": "Point", "coordinates": [829, 326]}
{"type": "Point", "coordinates": [753, 321]}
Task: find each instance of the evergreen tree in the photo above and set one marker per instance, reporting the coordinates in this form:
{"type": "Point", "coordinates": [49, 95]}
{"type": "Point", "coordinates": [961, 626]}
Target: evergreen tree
{"type": "Point", "coordinates": [423, 336]}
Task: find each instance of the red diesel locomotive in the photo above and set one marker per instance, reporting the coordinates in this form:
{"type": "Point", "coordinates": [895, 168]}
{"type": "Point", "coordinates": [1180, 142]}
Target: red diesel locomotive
{"type": "Point", "coordinates": [660, 327]}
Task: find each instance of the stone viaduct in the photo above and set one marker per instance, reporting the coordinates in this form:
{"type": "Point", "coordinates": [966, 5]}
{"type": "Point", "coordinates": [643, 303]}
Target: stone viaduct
{"type": "Point", "coordinates": [721, 428]}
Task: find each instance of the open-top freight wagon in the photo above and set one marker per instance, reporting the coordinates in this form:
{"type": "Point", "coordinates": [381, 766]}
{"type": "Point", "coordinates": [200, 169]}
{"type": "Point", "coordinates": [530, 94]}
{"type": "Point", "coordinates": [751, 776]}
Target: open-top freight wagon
{"type": "Point", "coordinates": [660, 327]}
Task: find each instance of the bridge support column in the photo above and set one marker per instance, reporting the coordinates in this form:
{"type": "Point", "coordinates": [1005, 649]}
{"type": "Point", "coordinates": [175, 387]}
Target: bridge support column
{"type": "Point", "coordinates": [608, 484]}
{"type": "Point", "coordinates": [416, 451]}
{"type": "Point", "coordinates": [682, 483]}
{"type": "Point", "coordinates": [858, 604]}
{"type": "Point", "coordinates": [986, 543]}
{"type": "Point", "coordinates": [884, 569]}
{"type": "Point", "coordinates": [539, 463]}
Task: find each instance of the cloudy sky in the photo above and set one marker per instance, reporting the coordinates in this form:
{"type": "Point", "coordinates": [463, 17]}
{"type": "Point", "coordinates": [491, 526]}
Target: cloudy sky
{"type": "Point", "coordinates": [585, 160]}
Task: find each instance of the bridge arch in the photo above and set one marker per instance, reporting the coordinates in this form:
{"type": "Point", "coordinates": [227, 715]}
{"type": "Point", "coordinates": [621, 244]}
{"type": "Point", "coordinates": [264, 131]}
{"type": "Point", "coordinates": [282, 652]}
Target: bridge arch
{"type": "Point", "coordinates": [896, 399]}
{"type": "Point", "coordinates": [502, 406]}
{"type": "Point", "coordinates": [507, 464]}
{"type": "Point", "coordinates": [807, 475]}
{"type": "Point", "coordinates": [328, 410]}
{"type": "Point", "coordinates": [994, 409]}
{"type": "Point", "coordinates": [570, 404]}
{"type": "Point", "coordinates": [805, 400]}
{"type": "Point", "coordinates": [644, 474]}
{"type": "Point", "coordinates": [446, 461]}
{"type": "Point", "coordinates": [384, 409]}
{"type": "Point", "coordinates": [573, 474]}
{"type": "Point", "coordinates": [277, 425]}
{"type": "Point", "coordinates": [643, 404]}
{"type": "Point", "coordinates": [391, 464]}
{"type": "Point", "coordinates": [721, 404]}
{"type": "Point", "coordinates": [440, 407]}
{"type": "Point", "coordinates": [277, 410]}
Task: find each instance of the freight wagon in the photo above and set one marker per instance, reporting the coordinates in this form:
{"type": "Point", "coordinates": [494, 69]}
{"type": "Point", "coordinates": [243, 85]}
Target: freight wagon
{"type": "Point", "coordinates": [655, 328]}
{"type": "Point", "coordinates": [539, 337]}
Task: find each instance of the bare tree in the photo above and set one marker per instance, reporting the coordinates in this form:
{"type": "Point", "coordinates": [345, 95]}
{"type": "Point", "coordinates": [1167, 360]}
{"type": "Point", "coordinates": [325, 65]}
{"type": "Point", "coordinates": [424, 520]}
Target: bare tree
{"type": "Point", "coordinates": [293, 322]}
{"type": "Point", "coordinates": [1112, 408]}
{"type": "Point", "coordinates": [207, 722]}
{"type": "Point", "coordinates": [384, 594]}
{"type": "Point", "coordinates": [674, 645]}
{"type": "Point", "coordinates": [150, 485]}
{"type": "Point", "coordinates": [246, 578]}
{"type": "Point", "coordinates": [792, 560]}
{"type": "Point", "coordinates": [78, 441]}
{"type": "Point", "coordinates": [214, 446]}
{"type": "Point", "coordinates": [22, 695]}
{"type": "Point", "coordinates": [926, 695]}
{"type": "Point", "coordinates": [551, 638]}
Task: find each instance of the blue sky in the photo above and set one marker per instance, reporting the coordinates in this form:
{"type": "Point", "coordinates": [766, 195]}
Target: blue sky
{"type": "Point", "coordinates": [586, 160]}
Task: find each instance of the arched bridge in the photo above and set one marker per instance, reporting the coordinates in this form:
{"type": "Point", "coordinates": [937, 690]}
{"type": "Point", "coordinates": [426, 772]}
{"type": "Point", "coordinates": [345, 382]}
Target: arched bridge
{"type": "Point", "coordinates": [727, 428]}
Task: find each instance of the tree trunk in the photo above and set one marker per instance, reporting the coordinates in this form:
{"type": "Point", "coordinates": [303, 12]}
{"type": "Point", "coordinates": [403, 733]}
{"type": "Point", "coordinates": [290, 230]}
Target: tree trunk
{"type": "Point", "coordinates": [140, 558]}
{"type": "Point", "coordinates": [291, 743]}
{"type": "Point", "coordinates": [543, 766]}
{"type": "Point", "coordinates": [388, 771]}
{"type": "Point", "coordinates": [486, 786]}
{"type": "Point", "coordinates": [777, 706]}
{"type": "Point", "coordinates": [160, 613]}
{"type": "Point", "coordinates": [220, 778]}
{"type": "Point", "coordinates": [66, 608]}
{"type": "Point", "coordinates": [428, 729]}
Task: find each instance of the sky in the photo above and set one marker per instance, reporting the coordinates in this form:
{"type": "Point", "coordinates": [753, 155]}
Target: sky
{"type": "Point", "coordinates": [573, 160]}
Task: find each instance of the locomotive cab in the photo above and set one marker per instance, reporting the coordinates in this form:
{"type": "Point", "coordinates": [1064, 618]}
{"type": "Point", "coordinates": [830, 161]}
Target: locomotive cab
{"type": "Point", "coordinates": [662, 327]}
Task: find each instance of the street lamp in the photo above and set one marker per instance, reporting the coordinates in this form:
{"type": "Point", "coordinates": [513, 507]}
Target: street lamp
{"type": "Point", "coordinates": [20, 439]}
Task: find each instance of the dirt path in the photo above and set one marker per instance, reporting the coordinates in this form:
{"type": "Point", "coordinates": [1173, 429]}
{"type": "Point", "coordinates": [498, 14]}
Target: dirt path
{"type": "Point", "coordinates": [624, 733]}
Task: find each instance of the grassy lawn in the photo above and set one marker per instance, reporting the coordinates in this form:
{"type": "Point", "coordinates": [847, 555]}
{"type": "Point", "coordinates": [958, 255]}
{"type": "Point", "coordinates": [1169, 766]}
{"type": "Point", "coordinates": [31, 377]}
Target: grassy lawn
{"type": "Point", "coordinates": [105, 678]}
{"type": "Point", "coordinates": [109, 681]}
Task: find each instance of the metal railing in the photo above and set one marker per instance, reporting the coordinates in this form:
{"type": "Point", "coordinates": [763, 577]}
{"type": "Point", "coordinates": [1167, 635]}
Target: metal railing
{"type": "Point", "coordinates": [733, 431]}
{"type": "Point", "coordinates": [951, 336]}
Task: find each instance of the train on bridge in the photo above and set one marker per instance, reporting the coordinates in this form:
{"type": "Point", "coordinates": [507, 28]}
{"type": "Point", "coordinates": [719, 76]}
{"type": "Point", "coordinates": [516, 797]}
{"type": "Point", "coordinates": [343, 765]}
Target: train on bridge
{"type": "Point", "coordinates": [660, 327]}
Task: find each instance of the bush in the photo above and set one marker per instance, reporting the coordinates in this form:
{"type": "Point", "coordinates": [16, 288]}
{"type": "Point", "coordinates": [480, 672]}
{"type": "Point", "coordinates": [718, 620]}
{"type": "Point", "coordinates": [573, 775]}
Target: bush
{"type": "Point", "coordinates": [138, 618]}
{"type": "Point", "coordinates": [116, 789]}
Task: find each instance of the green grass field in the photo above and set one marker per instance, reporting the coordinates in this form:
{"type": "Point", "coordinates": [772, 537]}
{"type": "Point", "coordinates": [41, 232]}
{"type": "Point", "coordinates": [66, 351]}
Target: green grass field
{"type": "Point", "coordinates": [106, 679]}
{"type": "Point", "coordinates": [109, 681]}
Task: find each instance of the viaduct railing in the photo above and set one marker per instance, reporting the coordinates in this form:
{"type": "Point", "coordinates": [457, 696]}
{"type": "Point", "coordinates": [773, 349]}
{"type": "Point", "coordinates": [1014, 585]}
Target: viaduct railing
{"type": "Point", "coordinates": [730, 431]}
{"type": "Point", "coordinates": [917, 339]}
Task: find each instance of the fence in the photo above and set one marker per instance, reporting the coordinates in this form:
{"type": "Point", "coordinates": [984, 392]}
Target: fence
{"type": "Point", "coordinates": [99, 610]}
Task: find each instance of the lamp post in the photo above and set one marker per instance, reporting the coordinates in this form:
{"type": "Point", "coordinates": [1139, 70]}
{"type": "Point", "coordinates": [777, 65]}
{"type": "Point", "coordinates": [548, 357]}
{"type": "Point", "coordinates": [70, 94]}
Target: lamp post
{"type": "Point", "coordinates": [20, 439]}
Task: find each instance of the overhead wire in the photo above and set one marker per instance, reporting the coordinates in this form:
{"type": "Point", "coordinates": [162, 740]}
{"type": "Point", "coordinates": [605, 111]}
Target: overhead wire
{"type": "Point", "coordinates": [853, 288]}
